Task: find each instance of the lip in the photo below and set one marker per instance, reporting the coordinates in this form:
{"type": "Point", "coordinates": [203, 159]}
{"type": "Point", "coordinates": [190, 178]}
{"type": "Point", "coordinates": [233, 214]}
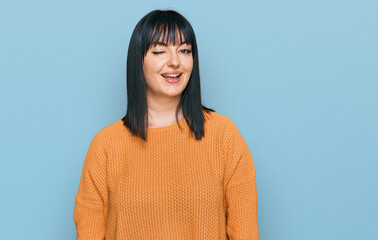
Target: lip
{"type": "Point", "coordinates": [172, 72]}
{"type": "Point", "coordinates": [173, 80]}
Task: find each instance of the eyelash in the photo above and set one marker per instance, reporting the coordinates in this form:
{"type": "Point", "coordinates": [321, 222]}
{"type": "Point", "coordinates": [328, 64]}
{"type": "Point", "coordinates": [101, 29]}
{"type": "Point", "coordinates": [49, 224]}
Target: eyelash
{"type": "Point", "coordinates": [187, 51]}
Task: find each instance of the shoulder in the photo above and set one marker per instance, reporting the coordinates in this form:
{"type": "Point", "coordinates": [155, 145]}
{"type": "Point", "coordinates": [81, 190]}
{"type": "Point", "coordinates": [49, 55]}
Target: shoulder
{"type": "Point", "coordinates": [218, 119]}
{"type": "Point", "coordinates": [106, 136]}
{"type": "Point", "coordinates": [230, 134]}
{"type": "Point", "coordinates": [224, 127]}
{"type": "Point", "coordinates": [221, 121]}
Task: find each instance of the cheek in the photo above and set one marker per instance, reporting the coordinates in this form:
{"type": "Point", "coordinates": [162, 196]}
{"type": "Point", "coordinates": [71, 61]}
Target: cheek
{"type": "Point", "coordinates": [189, 65]}
{"type": "Point", "coordinates": [149, 67]}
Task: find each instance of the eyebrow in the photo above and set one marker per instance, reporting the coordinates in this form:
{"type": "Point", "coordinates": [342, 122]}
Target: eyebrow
{"type": "Point", "coordinates": [164, 44]}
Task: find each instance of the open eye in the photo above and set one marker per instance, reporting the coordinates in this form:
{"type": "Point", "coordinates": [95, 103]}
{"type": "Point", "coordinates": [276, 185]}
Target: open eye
{"type": "Point", "coordinates": [186, 51]}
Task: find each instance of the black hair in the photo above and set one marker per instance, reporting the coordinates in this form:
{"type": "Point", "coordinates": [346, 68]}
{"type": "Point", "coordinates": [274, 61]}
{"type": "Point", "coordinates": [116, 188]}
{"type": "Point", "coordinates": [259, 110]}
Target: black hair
{"type": "Point", "coordinates": [148, 31]}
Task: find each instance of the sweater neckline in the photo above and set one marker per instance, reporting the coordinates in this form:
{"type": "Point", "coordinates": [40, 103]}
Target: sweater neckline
{"type": "Point", "coordinates": [166, 128]}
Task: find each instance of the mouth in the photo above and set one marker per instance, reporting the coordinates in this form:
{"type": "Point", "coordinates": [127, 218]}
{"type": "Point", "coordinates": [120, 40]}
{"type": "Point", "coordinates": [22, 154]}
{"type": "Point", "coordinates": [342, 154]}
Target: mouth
{"type": "Point", "coordinates": [172, 78]}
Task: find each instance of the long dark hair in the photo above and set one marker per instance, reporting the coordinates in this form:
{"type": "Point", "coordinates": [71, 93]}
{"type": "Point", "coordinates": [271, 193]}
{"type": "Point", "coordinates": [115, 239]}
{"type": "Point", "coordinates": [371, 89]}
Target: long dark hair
{"type": "Point", "coordinates": [148, 31]}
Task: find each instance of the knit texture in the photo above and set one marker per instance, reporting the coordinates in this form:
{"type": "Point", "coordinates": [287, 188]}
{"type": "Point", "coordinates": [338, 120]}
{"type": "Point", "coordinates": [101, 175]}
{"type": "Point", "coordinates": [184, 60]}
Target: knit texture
{"type": "Point", "coordinates": [170, 187]}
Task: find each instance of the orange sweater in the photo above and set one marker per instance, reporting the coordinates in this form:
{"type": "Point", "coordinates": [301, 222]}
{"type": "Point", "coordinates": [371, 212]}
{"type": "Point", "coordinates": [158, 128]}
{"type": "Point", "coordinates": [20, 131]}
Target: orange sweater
{"type": "Point", "coordinates": [172, 187]}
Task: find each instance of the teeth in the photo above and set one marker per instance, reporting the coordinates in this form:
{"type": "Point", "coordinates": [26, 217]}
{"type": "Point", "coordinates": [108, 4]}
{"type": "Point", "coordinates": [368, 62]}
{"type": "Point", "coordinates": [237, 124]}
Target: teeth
{"type": "Point", "coordinates": [171, 75]}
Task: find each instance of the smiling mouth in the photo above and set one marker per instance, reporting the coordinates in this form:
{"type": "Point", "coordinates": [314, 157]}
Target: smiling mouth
{"type": "Point", "coordinates": [172, 78]}
{"type": "Point", "coordinates": [177, 76]}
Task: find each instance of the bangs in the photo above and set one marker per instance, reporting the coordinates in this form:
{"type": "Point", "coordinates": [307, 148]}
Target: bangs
{"type": "Point", "coordinates": [167, 35]}
{"type": "Point", "coordinates": [169, 31]}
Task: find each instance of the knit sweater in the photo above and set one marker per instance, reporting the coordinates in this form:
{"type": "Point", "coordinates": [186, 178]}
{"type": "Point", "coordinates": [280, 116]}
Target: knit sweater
{"type": "Point", "coordinates": [170, 187]}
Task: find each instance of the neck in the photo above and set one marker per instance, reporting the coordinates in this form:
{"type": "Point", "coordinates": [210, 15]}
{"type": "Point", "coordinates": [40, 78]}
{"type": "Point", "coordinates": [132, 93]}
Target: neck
{"type": "Point", "coordinates": [162, 112]}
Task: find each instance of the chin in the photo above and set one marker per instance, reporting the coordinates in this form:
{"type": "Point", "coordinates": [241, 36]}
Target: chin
{"type": "Point", "coordinates": [173, 94]}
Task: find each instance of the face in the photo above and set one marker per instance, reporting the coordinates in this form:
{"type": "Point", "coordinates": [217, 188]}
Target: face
{"type": "Point", "coordinates": [167, 69]}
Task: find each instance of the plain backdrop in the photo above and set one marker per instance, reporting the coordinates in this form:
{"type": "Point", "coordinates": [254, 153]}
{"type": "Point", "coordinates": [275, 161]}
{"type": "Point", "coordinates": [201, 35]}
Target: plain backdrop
{"type": "Point", "coordinates": [298, 78]}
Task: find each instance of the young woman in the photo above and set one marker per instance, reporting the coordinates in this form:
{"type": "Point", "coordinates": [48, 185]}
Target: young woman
{"type": "Point", "coordinates": [170, 168]}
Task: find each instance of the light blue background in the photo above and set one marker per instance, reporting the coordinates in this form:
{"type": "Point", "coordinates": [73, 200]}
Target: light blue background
{"type": "Point", "coordinates": [298, 78]}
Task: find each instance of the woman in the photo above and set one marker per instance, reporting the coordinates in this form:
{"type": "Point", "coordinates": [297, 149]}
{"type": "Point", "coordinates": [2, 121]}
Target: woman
{"type": "Point", "coordinates": [171, 168]}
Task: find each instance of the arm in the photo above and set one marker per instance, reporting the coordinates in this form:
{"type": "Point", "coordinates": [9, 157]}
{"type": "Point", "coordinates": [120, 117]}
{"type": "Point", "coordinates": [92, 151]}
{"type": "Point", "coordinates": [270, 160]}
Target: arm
{"type": "Point", "coordinates": [240, 186]}
{"type": "Point", "coordinates": [91, 200]}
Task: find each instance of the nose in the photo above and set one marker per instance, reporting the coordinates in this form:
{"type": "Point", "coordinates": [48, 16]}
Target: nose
{"type": "Point", "coordinates": [173, 60]}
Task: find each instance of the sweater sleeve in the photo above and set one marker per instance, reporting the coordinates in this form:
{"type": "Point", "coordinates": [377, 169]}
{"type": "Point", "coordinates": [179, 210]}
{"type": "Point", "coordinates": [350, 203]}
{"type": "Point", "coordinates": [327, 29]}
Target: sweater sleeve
{"type": "Point", "coordinates": [240, 186]}
{"type": "Point", "coordinates": [91, 201]}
